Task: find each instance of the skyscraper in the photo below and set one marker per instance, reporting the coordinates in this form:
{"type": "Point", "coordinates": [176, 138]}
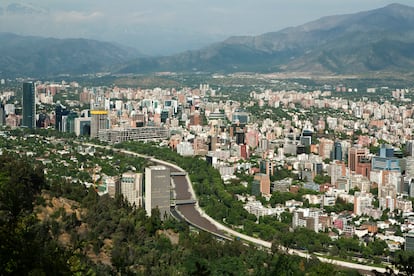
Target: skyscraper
{"type": "Point", "coordinates": [2, 115]}
{"type": "Point", "coordinates": [60, 113]}
{"type": "Point", "coordinates": [337, 151]}
{"type": "Point", "coordinates": [157, 190]}
{"type": "Point", "coordinates": [29, 105]}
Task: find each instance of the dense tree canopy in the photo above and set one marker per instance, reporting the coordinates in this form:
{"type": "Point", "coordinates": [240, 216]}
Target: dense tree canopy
{"type": "Point", "coordinates": [106, 236]}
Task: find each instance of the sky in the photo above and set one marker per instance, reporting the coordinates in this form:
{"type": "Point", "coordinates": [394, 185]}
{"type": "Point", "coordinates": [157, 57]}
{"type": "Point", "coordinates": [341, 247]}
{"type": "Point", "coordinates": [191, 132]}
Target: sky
{"type": "Point", "coordinates": [161, 27]}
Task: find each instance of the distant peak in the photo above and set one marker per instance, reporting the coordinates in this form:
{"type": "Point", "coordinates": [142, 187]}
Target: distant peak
{"type": "Point", "coordinates": [398, 6]}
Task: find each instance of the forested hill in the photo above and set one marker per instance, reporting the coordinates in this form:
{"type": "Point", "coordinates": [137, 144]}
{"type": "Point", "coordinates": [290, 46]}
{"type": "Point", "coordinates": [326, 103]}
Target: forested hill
{"type": "Point", "coordinates": [61, 228]}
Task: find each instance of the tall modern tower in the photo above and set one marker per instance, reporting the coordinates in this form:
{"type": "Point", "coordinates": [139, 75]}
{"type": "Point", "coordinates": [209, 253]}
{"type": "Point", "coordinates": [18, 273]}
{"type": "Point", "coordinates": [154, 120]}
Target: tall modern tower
{"type": "Point", "coordinates": [157, 190]}
{"type": "Point", "coordinates": [60, 112]}
{"type": "Point", "coordinates": [29, 105]}
{"type": "Point", "coordinates": [337, 151]}
{"type": "Point", "coordinates": [2, 115]}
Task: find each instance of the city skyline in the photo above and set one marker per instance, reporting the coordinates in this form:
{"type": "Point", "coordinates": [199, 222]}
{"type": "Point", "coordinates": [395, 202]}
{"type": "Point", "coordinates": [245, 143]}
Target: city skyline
{"type": "Point", "coordinates": [159, 27]}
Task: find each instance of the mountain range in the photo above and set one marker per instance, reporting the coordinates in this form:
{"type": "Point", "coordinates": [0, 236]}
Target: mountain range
{"type": "Point", "coordinates": [41, 57]}
{"type": "Point", "coordinates": [376, 40]}
{"type": "Point", "coordinates": [370, 41]}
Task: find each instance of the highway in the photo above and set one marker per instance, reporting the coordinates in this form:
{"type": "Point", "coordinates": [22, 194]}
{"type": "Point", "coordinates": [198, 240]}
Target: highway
{"type": "Point", "coordinates": [196, 217]}
{"type": "Point", "coordinates": [184, 191]}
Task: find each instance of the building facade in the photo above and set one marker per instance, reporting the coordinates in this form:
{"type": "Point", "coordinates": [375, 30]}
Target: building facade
{"type": "Point", "coordinates": [131, 188]}
{"type": "Point", "coordinates": [157, 190]}
{"type": "Point", "coordinates": [99, 121]}
{"type": "Point", "coordinates": [114, 136]}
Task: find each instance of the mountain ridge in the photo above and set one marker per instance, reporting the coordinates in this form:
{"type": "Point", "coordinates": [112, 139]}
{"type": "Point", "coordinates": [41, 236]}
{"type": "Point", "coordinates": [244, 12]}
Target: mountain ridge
{"type": "Point", "coordinates": [326, 45]}
{"type": "Point", "coordinates": [46, 56]}
{"type": "Point", "coordinates": [367, 41]}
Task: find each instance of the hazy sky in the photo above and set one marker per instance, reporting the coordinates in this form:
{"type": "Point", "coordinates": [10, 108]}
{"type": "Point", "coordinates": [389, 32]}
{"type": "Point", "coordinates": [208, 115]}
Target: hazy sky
{"type": "Point", "coordinates": [167, 26]}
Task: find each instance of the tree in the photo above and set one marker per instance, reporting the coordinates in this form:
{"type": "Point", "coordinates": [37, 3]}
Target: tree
{"type": "Point", "coordinates": [26, 245]}
{"type": "Point", "coordinates": [378, 246]}
{"type": "Point", "coordinates": [19, 185]}
{"type": "Point", "coordinates": [322, 179]}
{"type": "Point", "coordinates": [404, 260]}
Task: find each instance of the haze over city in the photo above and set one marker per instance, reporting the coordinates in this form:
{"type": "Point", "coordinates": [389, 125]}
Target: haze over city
{"type": "Point", "coordinates": [165, 27]}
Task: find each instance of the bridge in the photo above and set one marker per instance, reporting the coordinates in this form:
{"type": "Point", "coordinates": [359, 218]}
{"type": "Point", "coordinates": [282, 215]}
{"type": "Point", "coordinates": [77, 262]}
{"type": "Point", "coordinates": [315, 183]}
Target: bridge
{"type": "Point", "coordinates": [175, 173]}
{"type": "Point", "coordinates": [176, 202]}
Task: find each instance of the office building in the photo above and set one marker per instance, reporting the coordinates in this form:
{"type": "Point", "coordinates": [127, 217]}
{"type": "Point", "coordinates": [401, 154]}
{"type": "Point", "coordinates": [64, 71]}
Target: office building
{"type": "Point", "coordinates": [240, 136]}
{"type": "Point", "coordinates": [386, 160]}
{"type": "Point", "coordinates": [2, 115]}
{"type": "Point", "coordinates": [69, 121]}
{"type": "Point", "coordinates": [256, 187]}
{"type": "Point", "coordinates": [157, 190]}
{"type": "Point", "coordinates": [386, 151]}
{"type": "Point", "coordinates": [337, 151]}
{"type": "Point", "coordinates": [409, 241]}
{"type": "Point", "coordinates": [29, 105]}
{"type": "Point", "coordinates": [306, 137]}
{"type": "Point", "coordinates": [60, 113]}
{"type": "Point", "coordinates": [165, 114]}
{"type": "Point", "coordinates": [364, 167]}
{"type": "Point", "coordinates": [119, 135]}
{"type": "Point", "coordinates": [354, 157]}
{"type": "Point", "coordinates": [240, 116]}
{"type": "Point", "coordinates": [99, 121]}
{"type": "Point", "coordinates": [82, 126]}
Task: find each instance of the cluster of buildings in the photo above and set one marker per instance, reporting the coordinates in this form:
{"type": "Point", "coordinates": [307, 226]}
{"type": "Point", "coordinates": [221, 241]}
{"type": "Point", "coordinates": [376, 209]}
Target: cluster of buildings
{"type": "Point", "coordinates": [148, 190]}
{"type": "Point", "coordinates": [358, 144]}
{"type": "Point", "coordinates": [111, 121]}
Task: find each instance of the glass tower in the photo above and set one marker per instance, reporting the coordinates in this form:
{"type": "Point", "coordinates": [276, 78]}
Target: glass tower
{"type": "Point", "coordinates": [29, 105]}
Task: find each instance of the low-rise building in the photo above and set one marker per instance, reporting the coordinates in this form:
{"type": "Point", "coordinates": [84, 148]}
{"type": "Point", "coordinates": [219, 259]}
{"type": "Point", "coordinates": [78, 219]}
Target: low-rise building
{"type": "Point", "coordinates": [114, 136]}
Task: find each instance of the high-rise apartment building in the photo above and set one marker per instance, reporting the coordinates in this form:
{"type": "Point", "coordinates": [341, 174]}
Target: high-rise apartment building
{"type": "Point", "coordinates": [157, 190]}
{"type": "Point", "coordinates": [325, 148]}
{"type": "Point", "coordinates": [264, 181]}
{"type": "Point", "coordinates": [29, 105]}
{"type": "Point", "coordinates": [131, 188]}
{"type": "Point", "coordinates": [361, 202]}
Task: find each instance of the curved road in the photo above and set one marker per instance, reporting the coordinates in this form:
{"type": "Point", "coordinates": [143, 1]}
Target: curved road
{"type": "Point", "coordinates": [193, 214]}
